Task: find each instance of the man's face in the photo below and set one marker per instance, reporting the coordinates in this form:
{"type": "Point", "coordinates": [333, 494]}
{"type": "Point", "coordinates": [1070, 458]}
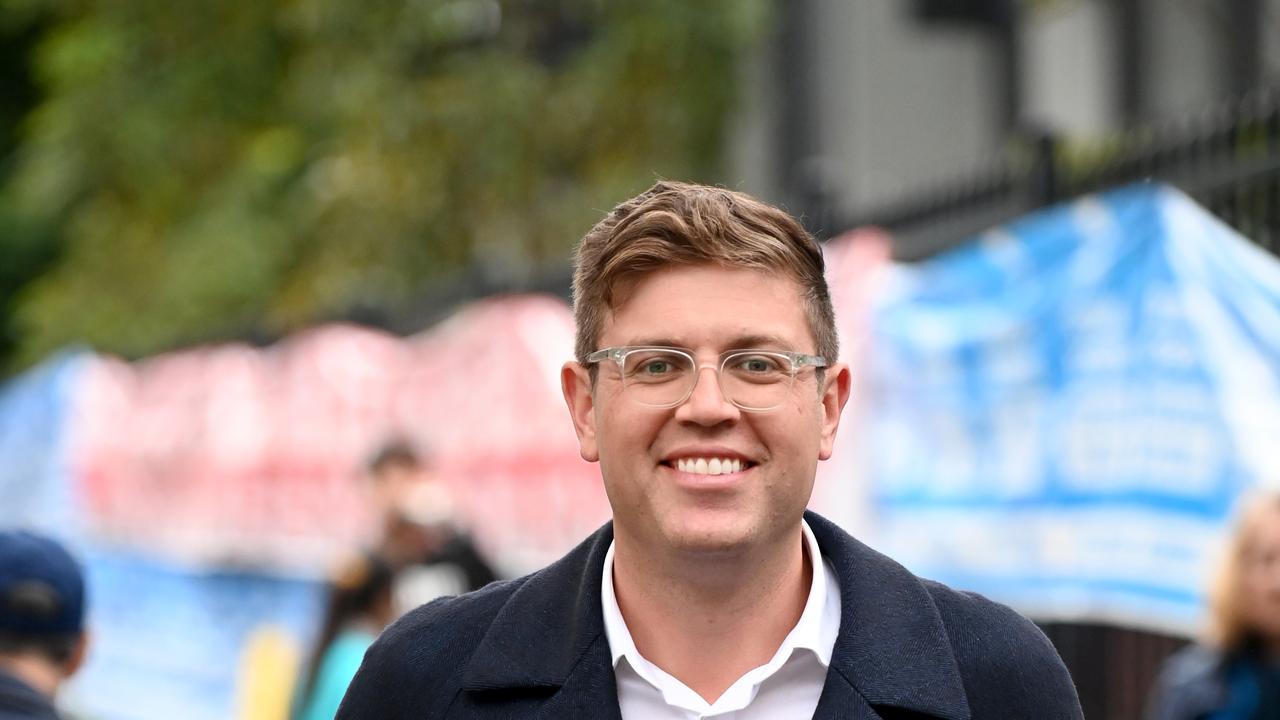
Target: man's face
{"type": "Point", "coordinates": [707, 309]}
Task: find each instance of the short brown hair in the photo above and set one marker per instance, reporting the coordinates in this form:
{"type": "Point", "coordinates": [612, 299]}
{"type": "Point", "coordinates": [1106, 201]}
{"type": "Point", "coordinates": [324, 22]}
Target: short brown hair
{"type": "Point", "coordinates": [395, 453]}
{"type": "Point", "coordinates": [1229, 628]}
{"type": "Point", "coordinates": [675, 223]}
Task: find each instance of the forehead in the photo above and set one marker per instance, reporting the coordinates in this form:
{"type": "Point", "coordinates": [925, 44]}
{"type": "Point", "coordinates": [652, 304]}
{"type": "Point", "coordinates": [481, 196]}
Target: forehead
{"type": "Point", "coordinates": [1265, 526]}
{"type": "Point", "coordinates": [708, 305]}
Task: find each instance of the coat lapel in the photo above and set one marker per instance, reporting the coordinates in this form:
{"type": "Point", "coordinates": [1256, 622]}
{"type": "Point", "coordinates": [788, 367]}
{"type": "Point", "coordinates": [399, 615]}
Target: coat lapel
{"type": "Point", "coordinates": [841, 701]}
{"type": "Point", "coordinates": [588, 692]}
{"type": "Point", "coordinates": [892, 650]}
{"type": "Point", "coordinates": [547, 645]}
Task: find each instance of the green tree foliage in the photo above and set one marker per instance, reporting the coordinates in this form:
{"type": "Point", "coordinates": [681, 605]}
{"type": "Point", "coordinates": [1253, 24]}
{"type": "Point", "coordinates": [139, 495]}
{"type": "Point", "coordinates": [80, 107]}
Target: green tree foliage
{"type": "Point", "coordinates": [207, 166]}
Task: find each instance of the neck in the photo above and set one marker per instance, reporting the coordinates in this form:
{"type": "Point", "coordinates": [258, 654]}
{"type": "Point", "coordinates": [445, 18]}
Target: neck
{"type": "Point", "coordinates": [708, 620]}
{"type": "Point", "coordinates": [34, 671]}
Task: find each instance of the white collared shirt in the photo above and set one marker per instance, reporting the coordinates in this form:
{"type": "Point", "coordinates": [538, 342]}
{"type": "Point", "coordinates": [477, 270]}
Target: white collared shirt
{"type": "Point", "coordinates": [788, 686]}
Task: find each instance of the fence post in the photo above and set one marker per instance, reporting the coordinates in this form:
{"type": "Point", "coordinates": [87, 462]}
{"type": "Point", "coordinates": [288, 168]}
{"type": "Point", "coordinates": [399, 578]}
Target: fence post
{"type": "Point", "coordinates": [1045, 188]}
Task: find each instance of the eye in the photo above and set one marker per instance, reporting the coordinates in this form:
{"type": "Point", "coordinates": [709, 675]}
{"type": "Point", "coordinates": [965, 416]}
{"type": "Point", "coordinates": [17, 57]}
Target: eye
{"type": "Point", "coordinates": [757, 364]}
{"type": "Point", "coordinates": [655, 366]}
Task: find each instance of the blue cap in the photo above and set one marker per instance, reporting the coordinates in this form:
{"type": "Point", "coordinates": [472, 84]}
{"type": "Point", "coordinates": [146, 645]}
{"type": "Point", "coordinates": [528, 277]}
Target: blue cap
{"type": "Point", "coordinates": [41, 586]}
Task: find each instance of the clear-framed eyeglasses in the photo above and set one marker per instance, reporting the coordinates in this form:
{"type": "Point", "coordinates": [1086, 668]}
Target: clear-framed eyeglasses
{"type": "Point", "coordinates": [663, 377]}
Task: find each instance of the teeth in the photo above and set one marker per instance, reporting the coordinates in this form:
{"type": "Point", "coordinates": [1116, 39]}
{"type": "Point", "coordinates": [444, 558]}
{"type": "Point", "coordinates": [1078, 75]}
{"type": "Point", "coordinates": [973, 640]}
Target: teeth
{"type": "Point", "coordinates": [712, 466]}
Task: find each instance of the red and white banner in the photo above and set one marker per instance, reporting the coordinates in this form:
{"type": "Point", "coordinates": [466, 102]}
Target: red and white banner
{"type": "Point", "coordinates": [238, 455]}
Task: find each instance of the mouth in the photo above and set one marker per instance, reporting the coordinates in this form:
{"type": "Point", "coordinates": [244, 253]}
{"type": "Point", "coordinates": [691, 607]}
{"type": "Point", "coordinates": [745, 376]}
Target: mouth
{"type": "Point", "coordinates": [709, 465]}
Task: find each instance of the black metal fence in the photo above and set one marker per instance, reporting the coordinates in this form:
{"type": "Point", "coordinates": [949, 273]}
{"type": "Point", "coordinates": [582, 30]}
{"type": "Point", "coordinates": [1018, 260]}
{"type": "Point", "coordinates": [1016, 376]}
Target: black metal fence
{"type": "Point", "coordinates": [1113, 667]}
{"type": "Point", "coordinates": [1228, 159]}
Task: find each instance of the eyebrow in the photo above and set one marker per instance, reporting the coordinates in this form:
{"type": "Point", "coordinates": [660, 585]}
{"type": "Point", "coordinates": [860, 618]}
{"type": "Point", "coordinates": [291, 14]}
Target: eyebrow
{"type": "Point", "coordinates": [741, 342]}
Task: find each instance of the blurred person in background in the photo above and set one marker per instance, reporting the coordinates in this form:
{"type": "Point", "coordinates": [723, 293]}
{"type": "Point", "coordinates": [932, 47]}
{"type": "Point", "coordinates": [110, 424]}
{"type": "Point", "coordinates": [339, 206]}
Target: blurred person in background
{"type": "Point", "coordinates": [1235, 673]}
{"type": "Point", "coordinates": [420, 536]}
{"type": "Point", "coordinates": [359, 607]}
{"type": "Point", "coordinates": [707, 388]}
{"type": "Point", "coordinates": [42, 635]}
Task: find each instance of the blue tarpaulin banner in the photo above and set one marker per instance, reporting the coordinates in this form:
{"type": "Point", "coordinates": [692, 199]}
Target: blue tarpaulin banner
{"type": "Point", "coordinates": [36, 488]}
{"type": "Point", "coordinates": [171, 641]}
{"type": "Point", "coordinates": [167, 640]}
{"type": "Point", "coordinates": [1062, 413]}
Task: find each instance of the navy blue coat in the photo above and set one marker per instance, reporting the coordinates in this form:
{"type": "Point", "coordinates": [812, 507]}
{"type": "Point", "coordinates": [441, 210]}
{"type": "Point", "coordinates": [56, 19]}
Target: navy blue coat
{"type": "Point", "coordinates": [535, 648]}
{"type": "Point", "coordinates": [20, 701]}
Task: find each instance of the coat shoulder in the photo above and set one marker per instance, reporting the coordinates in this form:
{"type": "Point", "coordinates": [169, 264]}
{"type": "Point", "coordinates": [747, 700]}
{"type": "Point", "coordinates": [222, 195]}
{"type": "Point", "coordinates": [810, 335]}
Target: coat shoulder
{"type": "Point", "coordinates": [1191, 683]}
{"type": "Point", "coordinates": [418, 661]}
{"type": "Point", "coordinates": [1008, 666]}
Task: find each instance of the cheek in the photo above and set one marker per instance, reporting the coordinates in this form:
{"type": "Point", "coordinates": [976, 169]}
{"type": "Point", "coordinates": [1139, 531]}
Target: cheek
{"type": "Point", "coordinates": [799, 430]}
{"type": "Point", "coordinates": [1256, 598]}
{"type": "Point", "coordinates": [625, 438]}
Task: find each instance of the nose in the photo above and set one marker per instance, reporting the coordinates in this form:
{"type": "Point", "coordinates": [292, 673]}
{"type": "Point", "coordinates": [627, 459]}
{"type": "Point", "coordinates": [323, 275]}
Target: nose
{"type": "Point", "coordinates": [706, 404]}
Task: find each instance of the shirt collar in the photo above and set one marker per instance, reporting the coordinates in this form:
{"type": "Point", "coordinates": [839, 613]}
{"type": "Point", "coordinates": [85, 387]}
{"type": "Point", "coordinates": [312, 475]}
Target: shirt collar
{"type": "Point", "coordinates": [615, 628]}
{"type": "Point", "coordinates": [819, 623]}
{"type": "Point", "coordinates": [816, 630]}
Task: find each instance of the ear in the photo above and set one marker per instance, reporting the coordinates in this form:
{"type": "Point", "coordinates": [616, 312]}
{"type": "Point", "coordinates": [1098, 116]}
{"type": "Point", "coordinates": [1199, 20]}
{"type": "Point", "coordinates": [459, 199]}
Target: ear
{"type": "Point", "coordinates": [834, 396]}
{"type": "Point", "coordinates": [78, 655]}
{"type": "Point", "coordinates": [575, 382]}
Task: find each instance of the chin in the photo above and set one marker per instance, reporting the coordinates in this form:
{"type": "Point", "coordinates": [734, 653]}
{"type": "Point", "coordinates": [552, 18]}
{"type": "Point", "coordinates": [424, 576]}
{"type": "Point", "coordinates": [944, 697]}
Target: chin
{"type": "Point", "coordinates": [703, 535]}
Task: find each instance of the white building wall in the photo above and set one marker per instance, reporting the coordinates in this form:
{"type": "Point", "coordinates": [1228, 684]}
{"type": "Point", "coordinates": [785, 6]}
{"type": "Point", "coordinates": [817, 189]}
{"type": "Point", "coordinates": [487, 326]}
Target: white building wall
{"type": "Point", "coordinates": [898, 103]}
{"type": "Point", "coordinates": [1070, 83]}
{"type": "Point", "coordinates": [908, 101]}
{"type": "Point", "coordinates": [753, 130]}
{"type": "Point", "coordinates": [901, 103]}
{"type": "Point", "coordinates": [1271, 41]}
{"type": "Point", "coordinates": [1183, 60]}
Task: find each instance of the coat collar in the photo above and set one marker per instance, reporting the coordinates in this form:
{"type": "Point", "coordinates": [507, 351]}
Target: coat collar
{"type": "Point", "coordinates": [547, 625]}
{"type": "Point", "coordinates": [892, 649]}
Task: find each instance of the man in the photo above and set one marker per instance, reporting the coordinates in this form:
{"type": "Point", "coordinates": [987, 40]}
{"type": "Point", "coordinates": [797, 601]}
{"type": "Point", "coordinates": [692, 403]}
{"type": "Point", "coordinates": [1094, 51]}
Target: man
{"type": "Point", "coordinates": [42, 637]}
{"type": "Point", "coordinates": [706, 388]}
{"type": "Point", "coordinates": [431, 555]}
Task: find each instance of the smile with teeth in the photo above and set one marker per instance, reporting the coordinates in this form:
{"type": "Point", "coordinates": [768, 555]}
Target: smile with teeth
{"type": "Point", "coordinates": [709, 466]}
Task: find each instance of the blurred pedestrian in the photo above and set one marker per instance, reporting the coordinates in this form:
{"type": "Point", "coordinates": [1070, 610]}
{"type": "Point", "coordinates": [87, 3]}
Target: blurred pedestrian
{"type": "Point", "coordinates": [1234, 674]}
{"type": "Point", "coordinates": [421, 535]}
{"type": "Point", "coordinates": [42, 633]}
{"type": "Point", "coordinates": [359, 607]}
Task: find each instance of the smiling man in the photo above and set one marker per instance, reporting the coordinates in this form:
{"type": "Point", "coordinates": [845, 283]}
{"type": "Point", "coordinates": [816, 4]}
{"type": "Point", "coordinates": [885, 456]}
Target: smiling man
{"type": "Point", "coordinates": [706, 387]}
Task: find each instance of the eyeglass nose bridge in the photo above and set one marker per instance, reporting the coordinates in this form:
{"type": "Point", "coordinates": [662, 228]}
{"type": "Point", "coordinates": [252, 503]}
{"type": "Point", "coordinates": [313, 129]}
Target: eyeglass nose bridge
{"type": "Point", "coordinates": [697, 377]}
